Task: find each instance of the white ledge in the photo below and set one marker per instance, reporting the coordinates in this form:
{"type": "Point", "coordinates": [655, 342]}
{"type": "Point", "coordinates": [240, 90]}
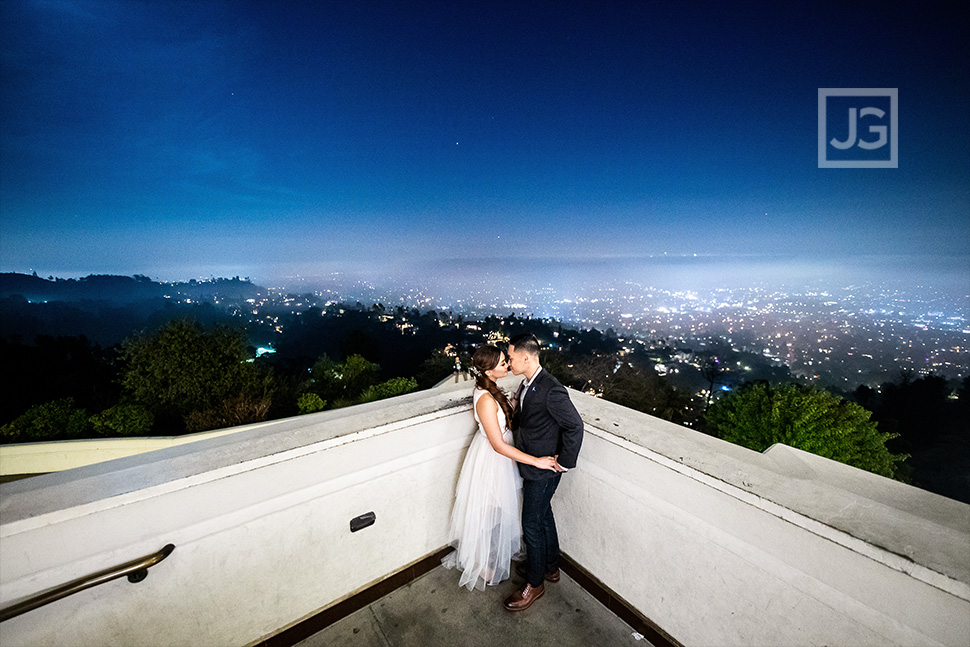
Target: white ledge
{"type": "Point", "coordinates": [908, 529]}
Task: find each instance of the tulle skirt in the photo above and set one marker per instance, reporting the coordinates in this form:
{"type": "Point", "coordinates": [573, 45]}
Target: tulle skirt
{"type": "Point", "coordinates": [486, 521]}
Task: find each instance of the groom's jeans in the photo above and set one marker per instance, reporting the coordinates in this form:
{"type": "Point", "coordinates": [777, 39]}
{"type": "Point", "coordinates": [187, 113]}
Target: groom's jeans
{"type": "Point", "coordinates": [539, 528]}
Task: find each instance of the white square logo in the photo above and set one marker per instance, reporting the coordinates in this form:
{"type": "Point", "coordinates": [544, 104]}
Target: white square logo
{"type": "Point", "coordinates": [858, 127]}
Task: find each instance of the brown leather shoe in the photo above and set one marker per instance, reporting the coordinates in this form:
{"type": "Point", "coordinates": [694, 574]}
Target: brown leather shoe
{"type": "Point", "coordinates": [522, 600]}
{"type": "Point", "coordinates": [550, 577]}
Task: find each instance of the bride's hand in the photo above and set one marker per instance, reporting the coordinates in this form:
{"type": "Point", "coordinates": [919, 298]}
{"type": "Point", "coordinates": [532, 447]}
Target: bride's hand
{"type": "Point", "coordinates": [547, 463]}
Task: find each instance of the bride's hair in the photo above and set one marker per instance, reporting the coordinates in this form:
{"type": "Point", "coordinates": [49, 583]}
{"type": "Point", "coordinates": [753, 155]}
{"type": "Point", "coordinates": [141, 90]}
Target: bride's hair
{"type": "Point", "coordinates": [485, 359]}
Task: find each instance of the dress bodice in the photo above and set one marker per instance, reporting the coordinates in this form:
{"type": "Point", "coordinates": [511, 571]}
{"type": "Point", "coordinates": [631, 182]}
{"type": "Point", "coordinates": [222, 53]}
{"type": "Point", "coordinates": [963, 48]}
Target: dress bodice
{"type": "Point", "coordinates": [501, 416]}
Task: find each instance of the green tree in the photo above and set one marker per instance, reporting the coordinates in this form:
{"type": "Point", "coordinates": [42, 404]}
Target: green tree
{"type": "Point", "coordinates": [343, 383]}
{"type": "Point", "coordinates": [644, 390]}
{"type": "Point", "coordinates": [358, 375]}
{"type": "Point", "coordinates": [326, 378]}
{"type": "Point", "coordinates": [558, 364]}
{"type": "Point", "coordinates": [310, 403]}
{"type": "Point", "coordinates": [194, 378]}
{"type": "Point", "coordinates": [389, 389]}
{"type": "Point", "coordinates": [249, 400]}
{"type": "Point", "coordinates": [125, 419]}
{"type": "Point", "coordinates": [435, 368]}
{"type": "Point", "coordinates": [55, 420]}
{"type": "Point", "coordinates": [759, 415]}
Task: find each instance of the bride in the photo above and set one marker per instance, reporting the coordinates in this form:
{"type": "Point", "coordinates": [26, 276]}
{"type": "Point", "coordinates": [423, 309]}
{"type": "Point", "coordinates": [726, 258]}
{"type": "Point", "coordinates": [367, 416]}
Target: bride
{"type": "Point", "coordinates": [486, 525]}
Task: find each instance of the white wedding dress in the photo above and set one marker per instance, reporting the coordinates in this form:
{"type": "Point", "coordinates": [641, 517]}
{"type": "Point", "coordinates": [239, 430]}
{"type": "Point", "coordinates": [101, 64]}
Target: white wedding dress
{"type": "Point", "coordinates": [486, 521]}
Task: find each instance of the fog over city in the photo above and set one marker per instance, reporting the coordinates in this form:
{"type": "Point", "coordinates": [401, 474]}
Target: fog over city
{"type": "Point", "coordinates": [451, 277]}
{"type": "Point", "coordinates": [842, 324]}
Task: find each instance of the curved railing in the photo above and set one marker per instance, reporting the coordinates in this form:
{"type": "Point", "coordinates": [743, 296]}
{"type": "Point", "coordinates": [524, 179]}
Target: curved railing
{"type": "Point", "coordinates": [136, 570]}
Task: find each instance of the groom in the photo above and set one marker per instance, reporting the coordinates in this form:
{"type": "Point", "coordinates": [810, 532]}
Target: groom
{"type": "Point", "coordinates": [548, 425]}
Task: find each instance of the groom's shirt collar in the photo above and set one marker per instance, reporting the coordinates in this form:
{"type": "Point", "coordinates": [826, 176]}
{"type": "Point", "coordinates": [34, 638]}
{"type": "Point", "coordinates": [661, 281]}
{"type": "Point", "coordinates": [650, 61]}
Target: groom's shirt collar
{"type": "Point", "coordinates": [529, 381]}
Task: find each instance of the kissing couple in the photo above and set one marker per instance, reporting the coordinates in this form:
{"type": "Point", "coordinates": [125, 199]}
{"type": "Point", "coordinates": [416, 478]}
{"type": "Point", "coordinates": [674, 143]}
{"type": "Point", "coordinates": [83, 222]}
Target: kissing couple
{"type": "Point", "coordinates": [505, 489]}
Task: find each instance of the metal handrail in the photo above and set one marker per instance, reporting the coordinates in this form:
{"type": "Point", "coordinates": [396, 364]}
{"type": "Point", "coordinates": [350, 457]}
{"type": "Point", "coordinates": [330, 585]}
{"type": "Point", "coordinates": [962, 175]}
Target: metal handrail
{"type": "Point", "coordinates": [136, 570]}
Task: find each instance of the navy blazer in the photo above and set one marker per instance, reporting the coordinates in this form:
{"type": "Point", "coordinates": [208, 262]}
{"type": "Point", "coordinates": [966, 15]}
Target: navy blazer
{"type": "Point", "coordinates": [548, 424]}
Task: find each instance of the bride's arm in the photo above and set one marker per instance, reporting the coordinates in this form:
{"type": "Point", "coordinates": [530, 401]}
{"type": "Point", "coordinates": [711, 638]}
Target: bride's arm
{"type": "Point", "coordinates": [487, 409]}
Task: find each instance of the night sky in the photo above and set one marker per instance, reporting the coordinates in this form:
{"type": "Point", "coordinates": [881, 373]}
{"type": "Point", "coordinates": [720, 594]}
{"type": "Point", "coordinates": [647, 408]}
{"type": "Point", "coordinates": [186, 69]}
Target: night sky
{"type": "Point", "coordinates": [264, 139]}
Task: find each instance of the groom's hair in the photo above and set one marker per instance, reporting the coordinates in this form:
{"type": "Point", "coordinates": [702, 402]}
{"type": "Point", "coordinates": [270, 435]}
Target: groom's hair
{"type": "Point", "coordinates": [526, 343]}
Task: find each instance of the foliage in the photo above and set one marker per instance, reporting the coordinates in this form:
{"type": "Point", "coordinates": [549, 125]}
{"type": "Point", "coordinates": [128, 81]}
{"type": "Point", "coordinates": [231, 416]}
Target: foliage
{"type": "Point", "coordinates": [55, 420]}
{"type": "Point", "coordinates": [353, 381]}
{"type": "Point", "coordinates": [389, 389]}
{"type": "Point", "coordinates": [434, 369]}
{"type": "Point", "coordinates": [358, 374]}
{"type": "Point", "coordinates": [53, 368]}
{"type": "Point", "coordinates": [248, 402]}
{"type": "Point", "coordinates": [645, 391]}
{"type": "Point", "coordinates": [326, 376]}
{"type": "Point", "coordinates": [199, 378]}
{"type": "Point", "coordinates": [759, 415]}
{"type": "Point", "coordinates": [559, 366]}
{"type": "Point", "coordinates": [343, 383]}
{"type": "Point", "coordinates": [630, 382]}
{"type": "Point", "coordinates": [932, 419]}
{"type": "Point", "coordinates": [920, 409]}
{"type": "Point", "coordinates": [124, 419]}
{"type": "Point", "coordinates": [310, 403]}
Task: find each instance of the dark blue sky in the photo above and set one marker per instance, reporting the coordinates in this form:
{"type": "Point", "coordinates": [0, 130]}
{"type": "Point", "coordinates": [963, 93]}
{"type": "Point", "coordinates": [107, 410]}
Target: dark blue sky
{"type": "Point", "coordinates": [180, 139]}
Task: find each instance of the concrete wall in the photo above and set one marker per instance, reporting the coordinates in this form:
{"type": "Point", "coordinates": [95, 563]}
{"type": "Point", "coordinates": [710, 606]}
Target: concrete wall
{"type": "Point", "coordinates": [720, 545]}
{"type": "Point", "coordinates": [716, 544]}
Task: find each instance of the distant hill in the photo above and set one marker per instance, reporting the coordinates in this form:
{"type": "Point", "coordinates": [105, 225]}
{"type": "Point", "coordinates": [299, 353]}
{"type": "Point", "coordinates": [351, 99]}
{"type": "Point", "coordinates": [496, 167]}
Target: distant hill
{"type": "Point", "coordinates": [120, 289]}
{"type": "Point", "coordinates": [106, 309]}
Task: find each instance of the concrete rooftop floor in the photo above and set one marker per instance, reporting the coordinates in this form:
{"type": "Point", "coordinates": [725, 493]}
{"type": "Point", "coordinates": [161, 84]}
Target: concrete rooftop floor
{"type": "Point", "coordinates": [434, 611]}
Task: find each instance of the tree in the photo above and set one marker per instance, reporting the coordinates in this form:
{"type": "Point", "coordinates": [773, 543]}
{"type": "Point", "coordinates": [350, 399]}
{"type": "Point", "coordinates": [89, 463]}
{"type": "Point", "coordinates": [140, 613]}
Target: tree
{"type": "Point", "coordinates": [586, 372]}
{"type": "Point", "coordinates": [644, 390]}
{"type": "Point", "coordinates": [248, 401]}
{"type": "Point", "coordinates": [920, 411]}
{"type": "Point", "coordinates": [197, 379]}
{"type": "Point", "coordinates": [310, 403]}
{"type": "Point", "coordinates": [932, 418]}
{"type": "Point", "coordinates": [55, 420]}
{"type": "Point", "coordinates": [325, 378]}
{"type": "Point", "coordinates": [53, 368]}
{"type": "Point", "coordinates": [394, 386]}
{"type": "Point", "coordinates": [711, 369]}
{"type": "Point", "coordinates": [558, 364]}
{"type": "Point", "coordinates": [434, 369]}
{"type": "Point", "coordinates": [125, 419]}
{"type": "Point", "coordinates": [341, 384]}
{"type": "Point", "coordinates": [759, 415]}
{"type": "Point", "coordinates": [358, 374]}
